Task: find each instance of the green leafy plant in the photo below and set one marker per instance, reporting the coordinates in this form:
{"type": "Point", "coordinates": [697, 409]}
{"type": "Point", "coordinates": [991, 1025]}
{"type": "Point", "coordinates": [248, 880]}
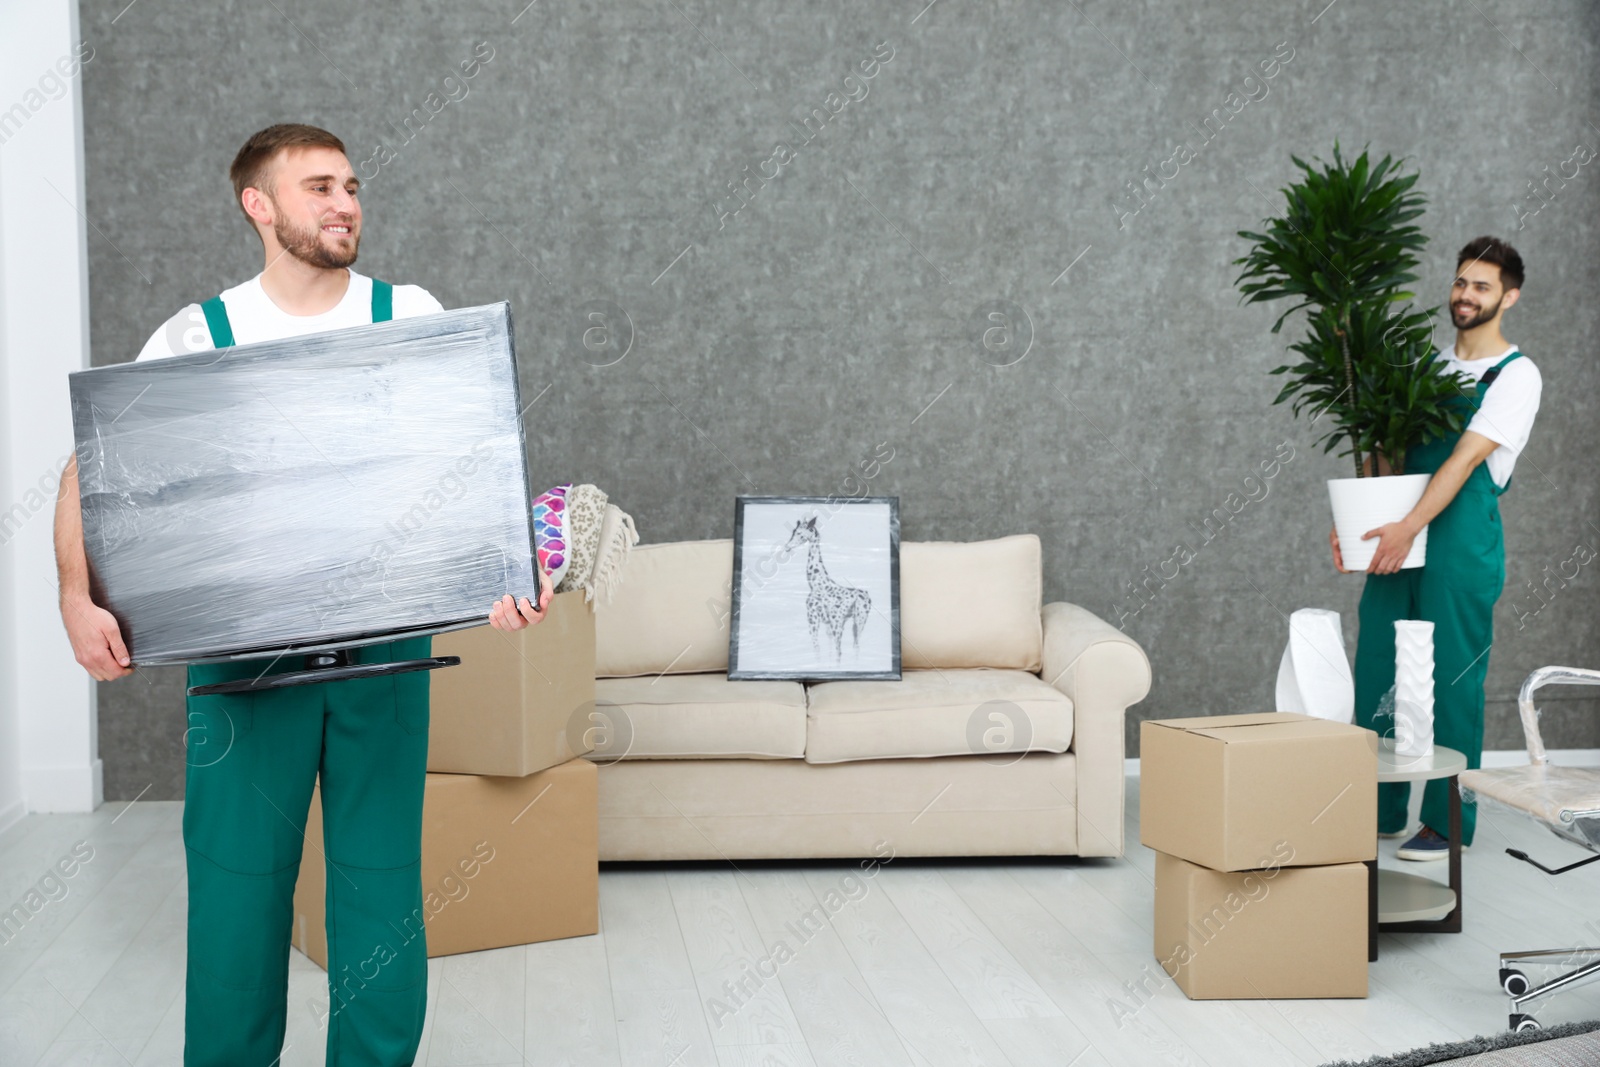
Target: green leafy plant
{"type": "Point", "coordinates": [1343, 249]}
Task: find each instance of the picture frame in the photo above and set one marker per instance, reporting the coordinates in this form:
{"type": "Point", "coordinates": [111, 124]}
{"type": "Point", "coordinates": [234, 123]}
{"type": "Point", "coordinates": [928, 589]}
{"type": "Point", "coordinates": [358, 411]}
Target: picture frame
{"type": "Point", "coordinates": [816, 589]}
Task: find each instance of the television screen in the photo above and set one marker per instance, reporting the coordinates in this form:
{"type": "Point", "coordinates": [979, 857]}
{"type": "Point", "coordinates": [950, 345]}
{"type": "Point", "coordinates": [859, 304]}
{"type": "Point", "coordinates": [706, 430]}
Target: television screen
{"type": "Point", "coordinates": [321, 491]}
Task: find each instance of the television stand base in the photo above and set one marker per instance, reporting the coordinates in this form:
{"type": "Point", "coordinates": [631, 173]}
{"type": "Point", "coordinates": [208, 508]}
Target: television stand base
{"type": "Point", "coordinates": [332, 666]}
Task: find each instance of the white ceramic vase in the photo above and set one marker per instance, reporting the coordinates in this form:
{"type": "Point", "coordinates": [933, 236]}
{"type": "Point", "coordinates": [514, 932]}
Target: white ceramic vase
{"type": "Point", "coordinates": [1413, 688]}
{"type": "Point", "coordinates": [1314, 674]}
{"type": "Point", "coordinates": [1362, 504]}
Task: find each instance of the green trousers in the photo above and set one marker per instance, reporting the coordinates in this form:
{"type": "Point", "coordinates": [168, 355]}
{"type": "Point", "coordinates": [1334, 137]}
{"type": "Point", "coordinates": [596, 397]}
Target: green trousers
{"type": "Point", "coordinates": [252, 762]}
{"type": "Point", "coordinates": [1456, 591]}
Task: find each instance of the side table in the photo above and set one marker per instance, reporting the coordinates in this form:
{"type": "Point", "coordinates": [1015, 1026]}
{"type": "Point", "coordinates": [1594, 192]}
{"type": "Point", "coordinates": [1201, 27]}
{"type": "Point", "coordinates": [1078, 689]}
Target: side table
{"type": "Point", "coordinates": [1408, 903]}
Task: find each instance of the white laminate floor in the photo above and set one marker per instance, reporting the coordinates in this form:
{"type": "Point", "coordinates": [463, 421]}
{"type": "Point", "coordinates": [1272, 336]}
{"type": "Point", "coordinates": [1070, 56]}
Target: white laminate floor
{"type": "Point", "coordinates": [926, 963]}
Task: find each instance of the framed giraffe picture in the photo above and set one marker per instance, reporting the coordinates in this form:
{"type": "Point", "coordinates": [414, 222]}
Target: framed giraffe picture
{"type": "Point", "coordinates": [816, 588]}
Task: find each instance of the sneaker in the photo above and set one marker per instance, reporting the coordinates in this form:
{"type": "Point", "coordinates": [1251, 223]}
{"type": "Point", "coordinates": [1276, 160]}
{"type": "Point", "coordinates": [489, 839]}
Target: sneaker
{"type": "Point", "coordinates": [1393, 833]}
{"type": "Point", "coordinates": [1426, 845]}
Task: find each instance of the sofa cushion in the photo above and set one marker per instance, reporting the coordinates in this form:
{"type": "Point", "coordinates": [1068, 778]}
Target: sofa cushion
{"type": "Point", "coordinates": [669, 612]}
{"type": "Point", "coordinates": [971, 604]}
{"type": "Point", "coordinates": [936, 713]}
{"type": "Point", "coordinates": [697, 716]}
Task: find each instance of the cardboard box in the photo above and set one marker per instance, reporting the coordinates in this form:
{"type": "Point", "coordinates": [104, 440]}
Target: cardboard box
{"type": "Point", "coordinates": [518, 703]}
{"type": "Point", "coordinates": [1272, 934]}
{"type": "Point", "coordinates": [1233, 792]}
{"type": "Point", "coordinates": [505, 861]}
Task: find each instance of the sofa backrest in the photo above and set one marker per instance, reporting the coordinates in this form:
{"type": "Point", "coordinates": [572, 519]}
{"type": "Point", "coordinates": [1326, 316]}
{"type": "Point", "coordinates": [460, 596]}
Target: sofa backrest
{"type": "Point", "coordinates": [669, 612]}
{"type": "Point", "coordinates": [971, 604]}
{"type": "Point", "coordinates": [962, 604]}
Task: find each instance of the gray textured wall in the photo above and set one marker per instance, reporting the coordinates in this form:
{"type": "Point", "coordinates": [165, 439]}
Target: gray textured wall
{"type": "Point", "coordinates": [984, 168]}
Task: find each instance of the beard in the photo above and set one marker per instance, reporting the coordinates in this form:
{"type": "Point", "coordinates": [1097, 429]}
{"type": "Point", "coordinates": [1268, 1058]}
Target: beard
{"type": "Point", "coordinates": [306, 245]}
{"type": "Point", "coordinates": [1472, 320]}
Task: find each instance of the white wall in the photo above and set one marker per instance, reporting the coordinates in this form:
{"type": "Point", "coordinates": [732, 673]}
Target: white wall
{"type": "Point", "coordinates": [48, 746]}
{"type": "Point", "coordinates": [11, 805]}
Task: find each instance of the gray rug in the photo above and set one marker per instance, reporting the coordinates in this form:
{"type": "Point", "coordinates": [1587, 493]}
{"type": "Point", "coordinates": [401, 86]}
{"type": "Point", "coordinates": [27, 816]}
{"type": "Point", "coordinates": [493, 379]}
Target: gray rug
{"type": "Point", "coordinates": [1511, 1046]}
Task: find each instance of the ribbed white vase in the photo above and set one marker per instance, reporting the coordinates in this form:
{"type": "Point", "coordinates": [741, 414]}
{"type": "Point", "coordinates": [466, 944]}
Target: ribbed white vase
{"type": "Point", "coordinates": [1362, 504]}
{"type": "Point", "coordinates": [1413, 688]}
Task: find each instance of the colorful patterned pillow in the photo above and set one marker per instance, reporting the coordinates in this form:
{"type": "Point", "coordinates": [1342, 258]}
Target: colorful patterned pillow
{"type": "Point", "coordinates": [550, 532]}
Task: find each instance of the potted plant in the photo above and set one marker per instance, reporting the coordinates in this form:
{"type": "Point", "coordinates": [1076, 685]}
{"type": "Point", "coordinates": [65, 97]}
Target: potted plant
{"type": "Point", "coordinates": [1343, 249]}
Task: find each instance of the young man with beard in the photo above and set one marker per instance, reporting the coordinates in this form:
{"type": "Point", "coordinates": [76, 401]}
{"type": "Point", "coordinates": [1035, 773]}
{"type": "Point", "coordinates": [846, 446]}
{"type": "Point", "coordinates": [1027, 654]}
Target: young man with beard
{"type": "Point", "coordinates": [367, 739]}
{"type": "Point", "coordinates": [1457, 587]}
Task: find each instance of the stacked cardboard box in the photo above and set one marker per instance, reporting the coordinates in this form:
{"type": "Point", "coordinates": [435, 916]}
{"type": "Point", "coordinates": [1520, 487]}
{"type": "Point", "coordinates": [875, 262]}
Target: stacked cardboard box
{"type": "Point", "coordinates": [1263, 825]}
{"type": "Point", "coordinates": [510, 824]}
{"type": "Point", "coordinates": [518, 703]}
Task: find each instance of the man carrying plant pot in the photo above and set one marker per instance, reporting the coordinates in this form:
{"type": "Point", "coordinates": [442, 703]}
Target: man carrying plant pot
{"type": "Point", "coordinates": [1457, 587]}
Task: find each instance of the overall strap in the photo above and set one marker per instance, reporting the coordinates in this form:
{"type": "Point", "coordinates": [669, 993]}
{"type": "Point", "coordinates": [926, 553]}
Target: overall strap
{"type": "Point", "coordinates": [217, 322]}
{"type": "Point", "coordinates": [1483, 383]}
{"type": "Point", "coordinates": [1494, 372]}
{"type": "Point", "coordinates": [382, 301]}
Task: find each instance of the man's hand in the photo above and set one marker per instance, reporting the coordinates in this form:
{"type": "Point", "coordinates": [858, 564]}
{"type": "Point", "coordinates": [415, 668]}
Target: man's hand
{"type": "Point", "coordinates": [1338, 553]}
{"type": "Point", "coordinates": [1394, 544]}
{"type": "Point", "coordinates": [1395, 538]}
{"type": "Point", "coordinates": [96, 639]}
{"type": "Point", "coordinates": [511, 615]}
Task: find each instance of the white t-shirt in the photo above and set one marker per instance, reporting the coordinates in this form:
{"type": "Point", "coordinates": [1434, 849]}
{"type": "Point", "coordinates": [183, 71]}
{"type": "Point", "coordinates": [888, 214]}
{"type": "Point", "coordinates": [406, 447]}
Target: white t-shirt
{"type": "Point", "coordinates": [254, 317]}
{"type": "Point", "coordinates": [1509, 406]}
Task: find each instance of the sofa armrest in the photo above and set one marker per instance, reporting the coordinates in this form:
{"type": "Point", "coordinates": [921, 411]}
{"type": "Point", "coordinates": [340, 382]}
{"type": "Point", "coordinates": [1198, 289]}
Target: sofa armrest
{"type": "Point", "coordinates": [1104, 672]}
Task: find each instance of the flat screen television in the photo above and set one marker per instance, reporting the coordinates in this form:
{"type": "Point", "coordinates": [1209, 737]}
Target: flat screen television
{"type": "Point", "coordinates": [307, 494]}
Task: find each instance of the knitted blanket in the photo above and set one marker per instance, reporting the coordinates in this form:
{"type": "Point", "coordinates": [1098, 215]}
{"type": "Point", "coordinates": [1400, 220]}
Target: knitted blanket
{"type": "Point", "coordinates": [582, 539]}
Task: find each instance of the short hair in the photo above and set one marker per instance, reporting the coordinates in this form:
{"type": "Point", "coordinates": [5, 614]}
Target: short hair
{"type": "Point", "coordinates": [251, 167]}
{"type": "Point", "coordinates": [1493, 250]}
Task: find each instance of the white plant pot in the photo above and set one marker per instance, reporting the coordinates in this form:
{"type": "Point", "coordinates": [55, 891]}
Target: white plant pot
{"type": "Point", "coordinates": [1362, 504]}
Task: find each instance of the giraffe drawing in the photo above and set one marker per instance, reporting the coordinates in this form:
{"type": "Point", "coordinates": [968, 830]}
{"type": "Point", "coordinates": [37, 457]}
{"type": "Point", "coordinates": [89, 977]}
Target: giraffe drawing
{"type": "Point", "coordinates": [829, 603]}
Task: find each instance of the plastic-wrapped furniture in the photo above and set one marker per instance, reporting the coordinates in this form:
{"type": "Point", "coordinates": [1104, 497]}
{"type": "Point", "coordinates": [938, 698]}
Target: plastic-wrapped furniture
{"type": "Point", "coordinates": [1567, 801]}
{"type": "Point", "coordinates": [307, 495]}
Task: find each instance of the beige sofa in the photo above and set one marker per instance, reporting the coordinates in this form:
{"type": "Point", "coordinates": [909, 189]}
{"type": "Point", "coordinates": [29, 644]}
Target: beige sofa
{"type": "Point", "coordinates": [1004, 736]}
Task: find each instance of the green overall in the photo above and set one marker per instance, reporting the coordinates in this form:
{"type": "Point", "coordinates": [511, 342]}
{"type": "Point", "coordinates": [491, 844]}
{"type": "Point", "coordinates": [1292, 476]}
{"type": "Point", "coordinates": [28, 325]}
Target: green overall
{"type": "Point", "coordinates": [1455, 590]}
{"type": "Point", "coordinates": [252, 760]}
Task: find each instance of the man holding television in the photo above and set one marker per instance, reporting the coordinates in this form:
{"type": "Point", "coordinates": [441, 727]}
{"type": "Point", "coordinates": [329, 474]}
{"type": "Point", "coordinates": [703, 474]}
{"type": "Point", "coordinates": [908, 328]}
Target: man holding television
{"type": "Point", "coordinates": [1457, 587]}
{"type": "Point", "coordinates": [245, 809]}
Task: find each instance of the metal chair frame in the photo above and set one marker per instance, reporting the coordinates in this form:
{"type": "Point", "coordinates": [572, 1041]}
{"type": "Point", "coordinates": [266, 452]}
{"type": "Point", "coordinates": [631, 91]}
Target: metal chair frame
{"type": "Point", "coordinates": [1516, 984]}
